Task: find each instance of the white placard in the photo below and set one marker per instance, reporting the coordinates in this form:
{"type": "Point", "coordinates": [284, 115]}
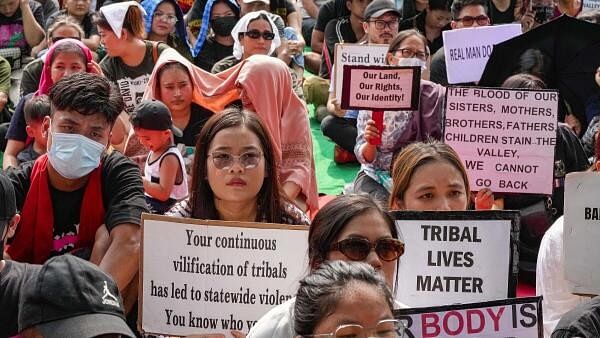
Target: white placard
{"type": "Point", "coordinates": [214, 277]}
{"type": "Point", "coordinates": [515, 317]}
{"type": "Point", "coordinates": [453, 261]}
{"type": "Point", "coordinates": [590, 5]}
{"type": "Point", "coordinates": [354, 54]}
{"type": "Point", "coordinates": [505, 137]}
{"type": "Point", "coordinates": [581, 233]}
{"type": "Point", "coordinates": [467, 50]}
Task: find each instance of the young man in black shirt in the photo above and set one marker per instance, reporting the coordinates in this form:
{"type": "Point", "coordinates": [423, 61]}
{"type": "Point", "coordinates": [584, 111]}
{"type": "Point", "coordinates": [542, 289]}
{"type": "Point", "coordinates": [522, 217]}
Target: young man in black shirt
{"type": "Point", "coordinates": [78, 187]}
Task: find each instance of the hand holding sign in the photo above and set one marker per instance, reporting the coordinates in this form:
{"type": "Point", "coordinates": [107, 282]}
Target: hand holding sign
{"type": "Point", "coordinates": [374, 129]}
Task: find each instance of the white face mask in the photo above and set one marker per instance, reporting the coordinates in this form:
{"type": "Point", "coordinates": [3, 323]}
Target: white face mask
{"type": "Point", "coordinates": [74, 156]}
{"type": "Point", "coordinates": [412, 62]}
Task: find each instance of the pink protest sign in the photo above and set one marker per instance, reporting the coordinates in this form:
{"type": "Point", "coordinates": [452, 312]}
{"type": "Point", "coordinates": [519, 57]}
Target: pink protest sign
{"type": "Point", "coordinates": [505, 137]}
{"type": "Point", "coordinates": [381, 88]}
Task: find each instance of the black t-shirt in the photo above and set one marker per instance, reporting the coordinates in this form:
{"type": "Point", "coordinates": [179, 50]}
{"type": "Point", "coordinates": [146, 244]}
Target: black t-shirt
{"type": "Point", "coordinates": [198, 117]}
{"type": "Point", "coordinates": [211, 53]}
{"type": "Point", "coordinates": [337, 31]}
{"type": "Point", "coordinates": [66, 222]}
{"type": "Point", "coordinates": [582, 321]}
{"type": "Point", "coordinates": [122, 191]}
{"type": "Point", "coordinates": [32, 73]}
{"type": "Point", "coordinates": [438, 68]}
{"type": "Point", "coordinates": [16, 130]}
{"type": "Point", "coordinates": [89, 28]}
{"type": "Point", "coordinates": [131, 81]}
{"type": "Point", "coordinates": [329, 11]}
{"type": "Point", "coordinates": [11, 28]}
{"type": "Point", "coordinates": [13, 279]}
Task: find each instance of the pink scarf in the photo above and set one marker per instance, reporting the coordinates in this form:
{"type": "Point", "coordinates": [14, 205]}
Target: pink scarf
{"type": "Point", "coordinates": [46, 79]}
{"type": "Point", "coordinates": [267, 83]}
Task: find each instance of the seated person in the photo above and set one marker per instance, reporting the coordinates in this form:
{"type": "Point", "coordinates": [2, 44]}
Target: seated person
{"type": "Point", "coordinates": [165, 179]}
{"type": "Point", "coordinates": [431, 23]}
{"type": "Point", "coordinates": [164, 22]}
{"type": "Point", "coordinates": [337, 226]}
{"type": "Point", "coordinates": [21, 25]}
{"type": "Point", "coordinates": [329, 11]}
{"type": "Point", "coordinates": [224, 14]}
{"type": "Point", "coordinates": [81, 12]}
{"type": "Point", "coordinates": [254, 34]}
{"type": "Point", "coordinates": [343, 299]}
{"type": "Point", "coordinates": [78, 187]}
{"type": "Point", "coordinates": [234, 175]}
{"type": "Point", "coordinates": [63, 27]}
{"type": "Point", "coordinates": [66, 57]}
{"type": "Point", "coordinates": [36, 109]}
{"type": "Point", "coordinates": [401, 127]}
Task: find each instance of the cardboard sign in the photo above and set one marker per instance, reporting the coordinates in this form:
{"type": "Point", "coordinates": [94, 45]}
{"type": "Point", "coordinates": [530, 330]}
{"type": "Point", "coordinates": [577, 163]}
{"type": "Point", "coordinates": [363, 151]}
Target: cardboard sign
{"type": "Point", "coordinates": [202, 276]}
{"type": "Point", "coordinates": [505, 137]}
{"type": "Point", "coordinates": [355, 54]}
{"type": "Point", "coordinates": [457, 256]}
{"type": "Point", "coordinates": [381, 88]}
{"type": "Point", "coordinates": [581, 233]}
{"type": "Point", "coordinates": [516, 317]}
{"type": "Point", "coordinates": [468, 50]}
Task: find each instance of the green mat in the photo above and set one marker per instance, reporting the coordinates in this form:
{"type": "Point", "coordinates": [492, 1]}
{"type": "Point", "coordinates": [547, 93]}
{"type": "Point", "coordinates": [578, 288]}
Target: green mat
{"type": "Point", "coordinates": [331, 177]}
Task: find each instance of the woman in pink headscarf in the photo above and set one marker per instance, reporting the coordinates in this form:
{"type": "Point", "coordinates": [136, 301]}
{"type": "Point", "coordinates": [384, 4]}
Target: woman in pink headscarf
{"type": "Point", "coordinates": [65, 57]}
{"type": "Point", "coordinates": [264, 85]}
{"type": "Point", "coordinates": [266, 88]}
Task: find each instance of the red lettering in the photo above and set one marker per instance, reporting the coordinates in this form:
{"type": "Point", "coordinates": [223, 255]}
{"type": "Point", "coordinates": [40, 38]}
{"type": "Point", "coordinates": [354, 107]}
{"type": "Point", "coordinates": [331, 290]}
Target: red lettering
{"type": "Point", "coordinates": [470, 327]}
{"type": "Point", "coordinates": [496, 317]}
{"type": "Point", "coordinates": [426, 324]}
{"type": "Point", "coordinates": [460, 326]}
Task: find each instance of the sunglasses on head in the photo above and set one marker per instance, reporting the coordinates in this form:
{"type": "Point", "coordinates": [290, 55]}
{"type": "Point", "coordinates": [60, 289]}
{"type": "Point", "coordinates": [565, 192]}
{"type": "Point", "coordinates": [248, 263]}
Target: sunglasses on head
{"type": "Point", "coordinates": [357, 249]}
{"type": "Point", "coordinates": [255, 34]}
{"type": "Point", "coordinates": [482, 20]}
{"type": "Point", "coordinates": [58, 38]}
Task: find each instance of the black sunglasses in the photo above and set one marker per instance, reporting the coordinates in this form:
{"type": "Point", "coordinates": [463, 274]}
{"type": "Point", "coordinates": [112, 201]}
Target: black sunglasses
{"type": "Point", "coordinates": [255, 34]}
{"type": "Point", "coordinates": [58, 38]}
{"type": "Point", "coordinates": [357, 249]}
{"type": "Point", "coordinates": [468, 21]}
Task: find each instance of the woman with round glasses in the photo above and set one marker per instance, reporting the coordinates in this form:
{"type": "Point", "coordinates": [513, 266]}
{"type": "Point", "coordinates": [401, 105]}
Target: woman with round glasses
{"type": "Point", "coordinates": [408, 48]}
{"type": "Point", "coordinates": [341, 300]}
{"type": "Point", "coordinates": [234, 175]}
{"type": "Point", "coordinates": [255, 33]}
{"type": "Point", "coordinates": [164, 22]}
{"type": "Point", "coordinates": [349, 228]}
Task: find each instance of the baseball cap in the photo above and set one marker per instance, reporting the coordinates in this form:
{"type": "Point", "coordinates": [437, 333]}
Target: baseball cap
{"type": "Point", "coordinates": [8, 201]}
{"type": "Point", "coordinates": [153, 115]}
{"type": "Point", "coordinates": [378, 8]}
{"type": "Point", "coordinates": [72, 298]}
{"type": "Point", "coordinates": [263, 1]}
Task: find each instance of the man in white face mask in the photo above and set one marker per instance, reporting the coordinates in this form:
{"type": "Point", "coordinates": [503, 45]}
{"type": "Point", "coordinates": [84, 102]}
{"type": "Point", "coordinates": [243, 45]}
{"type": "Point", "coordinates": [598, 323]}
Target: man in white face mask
{"type": "Point", "coordinates": [77, 188]}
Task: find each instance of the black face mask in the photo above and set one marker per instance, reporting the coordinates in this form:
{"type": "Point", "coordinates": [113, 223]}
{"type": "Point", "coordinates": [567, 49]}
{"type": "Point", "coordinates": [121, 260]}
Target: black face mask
{"type": "Point", "coordinates": [543, 13]}
{"type": "Point", "coordinates": [223, 26]}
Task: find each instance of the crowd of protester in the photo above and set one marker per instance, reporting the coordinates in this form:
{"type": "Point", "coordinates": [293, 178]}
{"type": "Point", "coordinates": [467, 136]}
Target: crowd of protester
{"type": "Point", "coordinates": [200, 109]}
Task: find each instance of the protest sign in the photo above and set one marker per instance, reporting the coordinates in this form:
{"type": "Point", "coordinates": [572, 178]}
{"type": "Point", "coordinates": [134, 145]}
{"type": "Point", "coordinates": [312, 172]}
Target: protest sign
{"type": "Point", "coordinates": [505, 137]}
{"type": "Point", "coordinates": [581, 233]}
{"type": "Point", "coordinates": [457, 256]}
{"type": "Point", "coordinates": [515, 317]}
{"type": "Point", "coordinates": [590, 5]}
{"type": "Point", "coordinates": [468, 50]}
{"type": "Point", "coordinates": [355, 54]}
{"type": "Point", "coordinates": [202, 276]}
{"type": "Point", "coordinates": [380, 88]}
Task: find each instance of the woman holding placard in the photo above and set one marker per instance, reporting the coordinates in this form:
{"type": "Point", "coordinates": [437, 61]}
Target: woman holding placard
{"type": "Point", "coordinates": [234, 175]}
{"type": "Point", "coordinates": [338, 232]}
{"type": "Point", "coordinates": [431, 176]}
{"type": "Point", "coordinates": [408, 48]}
